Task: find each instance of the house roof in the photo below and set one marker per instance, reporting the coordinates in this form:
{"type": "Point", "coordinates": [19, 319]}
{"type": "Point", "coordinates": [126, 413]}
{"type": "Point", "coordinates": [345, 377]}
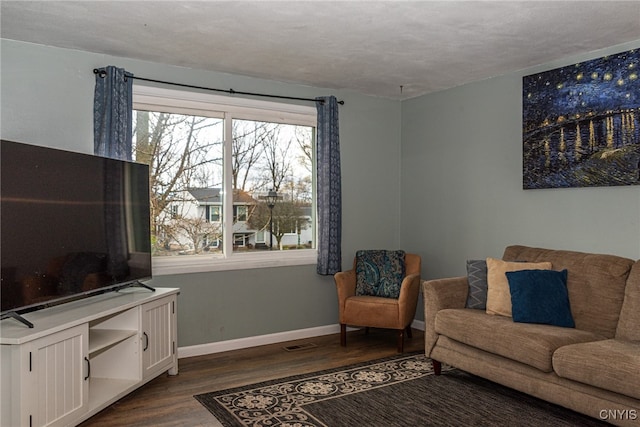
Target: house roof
{"type": "Point", "coordinates": [212, 196]}
{"type": "Point", "coordinates": [206, 195]}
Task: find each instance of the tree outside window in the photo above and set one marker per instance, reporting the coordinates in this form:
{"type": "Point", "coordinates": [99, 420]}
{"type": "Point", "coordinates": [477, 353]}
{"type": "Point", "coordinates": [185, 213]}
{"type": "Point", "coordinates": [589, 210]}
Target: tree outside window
{"type": "Point", "coordinates": [187, 168]}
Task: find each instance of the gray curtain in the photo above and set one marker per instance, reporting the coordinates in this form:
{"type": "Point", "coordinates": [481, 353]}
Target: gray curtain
{"type": "Point", "coordinates": [112, 113]}
{"type": "Point", "coordinates": [329, 187]}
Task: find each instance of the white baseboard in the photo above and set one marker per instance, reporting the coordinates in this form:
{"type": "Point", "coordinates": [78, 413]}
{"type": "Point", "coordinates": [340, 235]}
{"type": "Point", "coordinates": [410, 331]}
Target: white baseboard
{"type": "Point", "coordinates": [218, 347]}
{"type": "Point", "coordinates": [240, 343]}
{"type": "Point", "coordinates": [418, 324]}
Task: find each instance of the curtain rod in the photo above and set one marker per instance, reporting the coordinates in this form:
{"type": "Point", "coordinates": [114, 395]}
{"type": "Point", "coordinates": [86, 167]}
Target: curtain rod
{"type": "Point", "coordinates": [103, 73]}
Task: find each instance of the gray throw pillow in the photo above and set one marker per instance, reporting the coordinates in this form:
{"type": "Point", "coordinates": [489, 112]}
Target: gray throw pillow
{"type": "Point", "coordinates": [477, 277]}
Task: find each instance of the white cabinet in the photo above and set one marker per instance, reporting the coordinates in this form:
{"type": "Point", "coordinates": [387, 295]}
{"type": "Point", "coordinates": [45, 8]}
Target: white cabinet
{"type": "Point", "coordinates": [50, 379]}
{"type": "Point", "coordinates": [158, 328]}
{"type": "Point", "coordinates": [82, 356]}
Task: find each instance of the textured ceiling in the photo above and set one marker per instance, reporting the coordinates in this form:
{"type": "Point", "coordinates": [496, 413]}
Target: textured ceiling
{"type": "Point", "coordinates": [370, 47]}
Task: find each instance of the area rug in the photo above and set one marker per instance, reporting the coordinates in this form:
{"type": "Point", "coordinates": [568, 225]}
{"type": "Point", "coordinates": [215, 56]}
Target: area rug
{"type": "Point", "coordinates": [397, 391]}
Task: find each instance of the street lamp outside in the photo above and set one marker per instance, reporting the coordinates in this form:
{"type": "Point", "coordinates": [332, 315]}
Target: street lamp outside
{"type": "Point", "coordinates": [271, 199]}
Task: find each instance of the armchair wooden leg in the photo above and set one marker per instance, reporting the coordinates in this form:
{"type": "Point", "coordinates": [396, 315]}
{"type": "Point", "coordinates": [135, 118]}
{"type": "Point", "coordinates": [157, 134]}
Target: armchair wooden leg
{"type": "Point", "coordinates": [437, 367]}
{"type": "Point", "coordinates": [409, 333]}
{"type": "Point", "coordinates": [401, 341]}
{"type": "Point", "coordinates": [343, 335]}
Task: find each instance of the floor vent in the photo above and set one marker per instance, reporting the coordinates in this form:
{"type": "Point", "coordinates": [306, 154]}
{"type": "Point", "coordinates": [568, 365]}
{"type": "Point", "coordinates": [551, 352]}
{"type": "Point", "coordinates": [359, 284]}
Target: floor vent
{"type": "Point", "coordinates": [298, 347]}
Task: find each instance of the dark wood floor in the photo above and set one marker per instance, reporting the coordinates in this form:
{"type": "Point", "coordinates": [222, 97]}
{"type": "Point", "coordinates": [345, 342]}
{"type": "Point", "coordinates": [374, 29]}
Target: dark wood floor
{"type": "Point", "coordinates": [168, 400]}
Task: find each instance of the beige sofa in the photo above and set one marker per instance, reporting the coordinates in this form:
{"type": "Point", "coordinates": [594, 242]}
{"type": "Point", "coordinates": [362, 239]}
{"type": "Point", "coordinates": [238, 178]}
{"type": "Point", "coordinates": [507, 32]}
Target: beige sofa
{"type": "Point", "coordinates": [593, 368]}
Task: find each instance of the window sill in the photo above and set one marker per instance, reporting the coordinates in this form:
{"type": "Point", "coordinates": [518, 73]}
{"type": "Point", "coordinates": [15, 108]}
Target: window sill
{"type": "Point", "coordinates": [163, 266]}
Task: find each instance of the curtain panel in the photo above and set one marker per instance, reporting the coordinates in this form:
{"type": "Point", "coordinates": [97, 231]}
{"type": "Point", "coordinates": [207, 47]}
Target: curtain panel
{"type": "Point", "coordinates": [112, 137]}
{"type": "Point", "coordinates": [112, 113]}
{"type": "Point", "coordinates": [329, 191]}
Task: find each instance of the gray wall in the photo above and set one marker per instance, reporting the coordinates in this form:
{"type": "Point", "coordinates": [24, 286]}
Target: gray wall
{"type": "Point", "coordinates": [450, 191]}
{"type": "Point", "coordinates": [47, 99]}
{"type": "Point", "coordinates": [462, 182]}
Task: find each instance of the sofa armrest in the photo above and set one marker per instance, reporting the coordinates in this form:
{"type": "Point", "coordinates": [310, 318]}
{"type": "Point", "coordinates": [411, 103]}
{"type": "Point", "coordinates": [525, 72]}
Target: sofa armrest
{"type": "Point", "coordinates": [437, 295]}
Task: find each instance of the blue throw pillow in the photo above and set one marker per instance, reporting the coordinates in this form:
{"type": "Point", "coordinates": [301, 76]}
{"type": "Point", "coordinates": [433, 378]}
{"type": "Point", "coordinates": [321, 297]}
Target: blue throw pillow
{"type": "Point", "coordinates": [477, 278]}
{"type": "Point", "coordinates": [540, 296]}
{"type": "Point", "coordinates": [379, 273]}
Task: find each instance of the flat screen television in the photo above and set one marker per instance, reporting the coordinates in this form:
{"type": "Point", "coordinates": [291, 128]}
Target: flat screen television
{"type": "Point", "coordinates": [71, 225]}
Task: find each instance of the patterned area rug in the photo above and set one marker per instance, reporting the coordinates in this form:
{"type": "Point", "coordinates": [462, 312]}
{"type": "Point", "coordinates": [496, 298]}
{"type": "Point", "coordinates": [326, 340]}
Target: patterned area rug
{"type": "Point", "coordinates": [396, 391]}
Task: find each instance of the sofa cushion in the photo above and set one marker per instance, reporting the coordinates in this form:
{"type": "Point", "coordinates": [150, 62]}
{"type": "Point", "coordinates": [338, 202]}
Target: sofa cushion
{"type": "Point", "coordinates": [629, 323]}
{"type": "Point", "coordinates": [377, 312]}
{"type": "Point", "coordinates": [612, 365]}
{"type": "Point", "coordinates": [527, 343]}
{"type": "Point", "coordinates": [540, 296]}
{"type": "Point", "coordinates": [379, 272]}
{"type": "Point", "coordinates": [498, 295]}
{"type": "Point", "coordinates": [477, 278]}
{"type": "Point", "coordinates": [596, 284]}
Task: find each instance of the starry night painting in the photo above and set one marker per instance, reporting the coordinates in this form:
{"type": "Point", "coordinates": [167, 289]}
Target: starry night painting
{"type": "Point", "coordinates": [581, 124]}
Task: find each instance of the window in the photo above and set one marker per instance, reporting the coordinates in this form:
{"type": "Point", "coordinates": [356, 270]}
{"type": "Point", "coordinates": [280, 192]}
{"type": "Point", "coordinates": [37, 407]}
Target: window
{"type": "Point", "coordinates": [241, 213]}
{"type": "Point", "coordinates": [214, 162]}
{"type": "Point", "coordinates": [214, 213]}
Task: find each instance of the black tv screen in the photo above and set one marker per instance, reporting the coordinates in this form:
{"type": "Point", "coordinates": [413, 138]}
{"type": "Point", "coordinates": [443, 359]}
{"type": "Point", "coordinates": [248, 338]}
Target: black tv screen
{"type": "Point", "coordinates": [71, 225]}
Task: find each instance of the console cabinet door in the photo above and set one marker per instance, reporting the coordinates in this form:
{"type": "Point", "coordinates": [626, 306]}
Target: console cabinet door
{"type": "Point", "coordinates": [58, 377]}
{"type": "Point", "coordinates": [158, 336]}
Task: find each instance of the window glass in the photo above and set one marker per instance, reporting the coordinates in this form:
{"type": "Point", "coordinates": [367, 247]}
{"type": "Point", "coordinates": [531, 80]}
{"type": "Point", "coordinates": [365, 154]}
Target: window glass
{"type": "Point", "coordinates": [241, 213]}
{"type": "Point", "coordinates": [214, 213]}
{"type": "Point", "coordinates": [273, 158]}
{"type": "Point", "coordinates": [255, 192]}
{"type": "Point", "coordinates": [184, 153]}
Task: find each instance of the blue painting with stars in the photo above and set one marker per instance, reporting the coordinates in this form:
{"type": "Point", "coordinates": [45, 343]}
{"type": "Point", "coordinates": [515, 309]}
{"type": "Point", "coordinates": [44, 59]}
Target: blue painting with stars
{"type": "Point", "coordinates": [581, 124]}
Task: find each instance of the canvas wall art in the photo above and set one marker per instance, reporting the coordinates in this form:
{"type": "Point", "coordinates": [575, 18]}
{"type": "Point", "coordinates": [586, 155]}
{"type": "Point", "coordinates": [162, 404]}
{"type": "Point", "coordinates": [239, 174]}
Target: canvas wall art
{"type": "Point", "coordinates": [581, 124]}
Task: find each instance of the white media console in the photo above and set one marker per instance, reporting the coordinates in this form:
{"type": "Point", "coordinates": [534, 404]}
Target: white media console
{"type": "Point", "coordinates": [82, 356]}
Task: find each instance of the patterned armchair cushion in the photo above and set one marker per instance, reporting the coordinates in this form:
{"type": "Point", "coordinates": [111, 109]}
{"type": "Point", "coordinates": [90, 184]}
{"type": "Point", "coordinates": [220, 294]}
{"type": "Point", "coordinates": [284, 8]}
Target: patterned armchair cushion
{"type": "Point", "coordinates": [379, 272]}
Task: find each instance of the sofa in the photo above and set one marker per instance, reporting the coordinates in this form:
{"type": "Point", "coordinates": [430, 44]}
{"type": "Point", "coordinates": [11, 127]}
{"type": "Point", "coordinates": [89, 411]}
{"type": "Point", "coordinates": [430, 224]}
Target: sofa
{"type": "Point", "coordinates": [592, 368]}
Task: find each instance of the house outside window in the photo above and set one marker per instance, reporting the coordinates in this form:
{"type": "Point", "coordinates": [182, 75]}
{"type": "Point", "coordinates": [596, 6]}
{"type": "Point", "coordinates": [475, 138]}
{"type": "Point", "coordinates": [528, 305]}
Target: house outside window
{"type": "Point", "coordinates": [212, 161]}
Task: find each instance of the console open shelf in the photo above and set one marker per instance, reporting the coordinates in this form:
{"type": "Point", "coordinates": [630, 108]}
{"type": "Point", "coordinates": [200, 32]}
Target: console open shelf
{"type": "Point", "coordinates": [100, 339]}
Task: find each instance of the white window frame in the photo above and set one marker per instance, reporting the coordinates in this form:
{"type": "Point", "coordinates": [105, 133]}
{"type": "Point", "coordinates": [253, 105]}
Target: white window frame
{"type": "Point", "coordinates": [229, 108]}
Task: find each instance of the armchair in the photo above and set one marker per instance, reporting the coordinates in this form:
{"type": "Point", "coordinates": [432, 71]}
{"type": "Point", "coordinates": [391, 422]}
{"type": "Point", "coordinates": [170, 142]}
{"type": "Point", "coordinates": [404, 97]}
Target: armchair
{"type": "Point", "coordinates": [357, 307]}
